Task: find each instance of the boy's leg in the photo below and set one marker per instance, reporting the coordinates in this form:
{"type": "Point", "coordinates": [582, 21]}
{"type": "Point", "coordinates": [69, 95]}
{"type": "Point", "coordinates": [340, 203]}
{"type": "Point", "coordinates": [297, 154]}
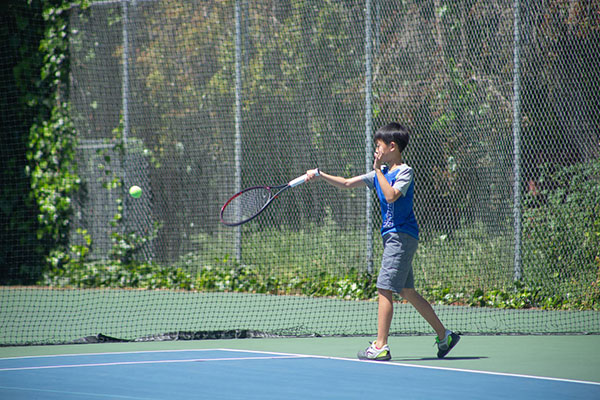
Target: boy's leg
{"type": "Point", "coordinates": [385, 313]}
{"type": "Point", "coordinates": [425, 309]}
{"type": "Point", "coordinates": [379, 350]}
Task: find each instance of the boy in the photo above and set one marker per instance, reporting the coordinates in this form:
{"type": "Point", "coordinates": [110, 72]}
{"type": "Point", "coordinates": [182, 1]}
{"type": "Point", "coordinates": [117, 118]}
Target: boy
{"type": "Point", "coordinates": [400, 232]}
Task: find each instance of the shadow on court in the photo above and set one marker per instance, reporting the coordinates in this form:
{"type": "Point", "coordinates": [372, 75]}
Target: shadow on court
{"type": "Point", "coordinates": [407, 359]}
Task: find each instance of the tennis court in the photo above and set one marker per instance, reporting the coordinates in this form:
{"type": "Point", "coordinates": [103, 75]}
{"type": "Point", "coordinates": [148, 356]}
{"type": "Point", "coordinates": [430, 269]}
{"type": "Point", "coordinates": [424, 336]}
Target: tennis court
{"type": "Point", "coordinates": [111, 293]}
{"type": "Point", "coordinates": [144, 348]}
{"type": "Point", "coordinates": [481, 367]}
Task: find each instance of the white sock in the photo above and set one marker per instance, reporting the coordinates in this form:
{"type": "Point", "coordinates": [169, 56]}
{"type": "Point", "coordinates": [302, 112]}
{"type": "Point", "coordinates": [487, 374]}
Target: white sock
{"type": "Point", "coordinates": [448, 333]}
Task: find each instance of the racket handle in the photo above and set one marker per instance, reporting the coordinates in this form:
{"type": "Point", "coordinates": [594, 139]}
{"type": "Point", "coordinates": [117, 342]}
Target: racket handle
{"type": "Point", "coordinates": [299, 180]}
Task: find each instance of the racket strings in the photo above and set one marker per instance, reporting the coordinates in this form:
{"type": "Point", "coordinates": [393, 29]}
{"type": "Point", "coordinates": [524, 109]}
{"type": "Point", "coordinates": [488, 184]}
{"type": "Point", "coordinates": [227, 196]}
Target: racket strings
{"type": "Point", "coordinates": [246, 205]}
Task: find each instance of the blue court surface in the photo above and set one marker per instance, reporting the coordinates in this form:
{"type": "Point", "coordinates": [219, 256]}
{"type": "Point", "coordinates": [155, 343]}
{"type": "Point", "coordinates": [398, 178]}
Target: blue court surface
{"type": "Point", "coordinates": [236, 374]}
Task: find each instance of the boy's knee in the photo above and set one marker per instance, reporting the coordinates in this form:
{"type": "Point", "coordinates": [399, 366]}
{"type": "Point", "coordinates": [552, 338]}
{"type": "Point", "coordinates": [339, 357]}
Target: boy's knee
{"type": "Point", "coordinates": [385, 293]}
{"type": "Point", "coordinates": [408, 293]}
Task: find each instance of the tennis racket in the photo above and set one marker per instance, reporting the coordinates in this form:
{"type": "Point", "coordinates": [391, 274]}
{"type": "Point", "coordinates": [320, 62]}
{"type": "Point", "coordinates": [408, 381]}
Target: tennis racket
{"type": "Point", "coordinates": [250, 203]}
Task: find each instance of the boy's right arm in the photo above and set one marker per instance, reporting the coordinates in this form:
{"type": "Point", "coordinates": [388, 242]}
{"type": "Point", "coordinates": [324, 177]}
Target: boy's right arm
{"type": "Point", "coordinates": [337, 181]}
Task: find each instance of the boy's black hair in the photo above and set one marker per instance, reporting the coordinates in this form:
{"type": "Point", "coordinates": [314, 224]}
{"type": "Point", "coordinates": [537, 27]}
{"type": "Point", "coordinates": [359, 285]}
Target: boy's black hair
{"type": "Point", "coordinates": [394, 132]}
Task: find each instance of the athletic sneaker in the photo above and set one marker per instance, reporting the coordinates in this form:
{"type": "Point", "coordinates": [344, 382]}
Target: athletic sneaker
{"type": "Point", "coordinates": [444, 346]}
{"type": "Point", "coordinates": [373, 353]}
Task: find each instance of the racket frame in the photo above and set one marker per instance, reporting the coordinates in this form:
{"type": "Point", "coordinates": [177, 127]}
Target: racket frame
{"type": "Point", "coordinates": [282, 188]}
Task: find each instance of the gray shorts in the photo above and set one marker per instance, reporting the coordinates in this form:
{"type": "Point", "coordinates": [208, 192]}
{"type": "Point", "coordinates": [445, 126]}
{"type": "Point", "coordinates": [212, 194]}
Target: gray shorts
{"type": "Point", "coordinates": [396, 264]}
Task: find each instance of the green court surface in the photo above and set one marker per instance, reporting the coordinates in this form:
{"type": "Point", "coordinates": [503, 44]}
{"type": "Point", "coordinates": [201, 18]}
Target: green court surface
{"type": "Point", "coordinates": [573, 357]}
{"type": "Point", "coordinates": [333, 328]}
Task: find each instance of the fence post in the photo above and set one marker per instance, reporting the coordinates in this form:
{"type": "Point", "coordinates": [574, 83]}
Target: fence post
{"type": "Point", "coordinates": [125, 71]}
{"type": "Point", "coordinates": [518, 269]}
{"type": "Point", "coordinates": [368, 135]}
{"type": "Point", "coordinates": [125, 101]}
{"type": "Point", "coordinates": [238, 120]}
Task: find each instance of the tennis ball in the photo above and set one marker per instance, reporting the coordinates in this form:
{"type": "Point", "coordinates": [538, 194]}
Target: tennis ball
{"type": "Point", "coordinates": [135, 192]}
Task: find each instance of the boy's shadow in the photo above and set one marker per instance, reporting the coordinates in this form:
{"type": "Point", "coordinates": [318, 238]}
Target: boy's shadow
{"type": "Point", "coordinates": [406, 359]}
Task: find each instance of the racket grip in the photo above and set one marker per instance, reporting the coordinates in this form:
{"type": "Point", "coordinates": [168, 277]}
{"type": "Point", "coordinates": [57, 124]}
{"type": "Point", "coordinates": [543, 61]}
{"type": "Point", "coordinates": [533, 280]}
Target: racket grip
{"type": "Point", "coordinates": [300, 180]}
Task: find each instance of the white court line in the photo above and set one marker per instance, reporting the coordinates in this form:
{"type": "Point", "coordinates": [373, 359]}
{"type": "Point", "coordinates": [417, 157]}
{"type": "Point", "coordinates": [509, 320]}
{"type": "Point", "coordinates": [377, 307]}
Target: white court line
{"type": "Point", "coordinates": [276, 355]}
{"type": "Point", "coordinates": [109, 352]}
{"type": "Point", "coordinates": [108, 364]}
{"type": "Point", "coordinates": [392, 364]}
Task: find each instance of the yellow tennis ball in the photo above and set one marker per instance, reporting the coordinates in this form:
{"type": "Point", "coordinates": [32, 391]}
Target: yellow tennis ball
{"type": "Point", "coordinates": [135, 192]}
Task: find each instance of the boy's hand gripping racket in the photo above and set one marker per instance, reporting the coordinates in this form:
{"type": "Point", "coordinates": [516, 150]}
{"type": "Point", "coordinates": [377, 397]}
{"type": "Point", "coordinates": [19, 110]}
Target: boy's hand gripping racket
{"type": "Point", "coordinates": [249, 203]}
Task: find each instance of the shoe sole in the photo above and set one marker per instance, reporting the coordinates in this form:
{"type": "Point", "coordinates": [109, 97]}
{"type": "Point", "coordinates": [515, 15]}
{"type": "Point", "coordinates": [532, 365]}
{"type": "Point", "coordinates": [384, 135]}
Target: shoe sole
{"type": "Point", "coordinates": [363, 357]}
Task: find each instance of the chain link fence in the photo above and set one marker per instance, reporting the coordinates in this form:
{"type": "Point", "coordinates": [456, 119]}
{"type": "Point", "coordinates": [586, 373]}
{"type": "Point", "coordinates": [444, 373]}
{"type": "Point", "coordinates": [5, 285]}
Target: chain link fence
{"type": "Point", "coordinates": [194, 100]}
{"type": "Point", "coordinates": [286, 80]}
{"type": "Point", "coordinates": [218, 96]}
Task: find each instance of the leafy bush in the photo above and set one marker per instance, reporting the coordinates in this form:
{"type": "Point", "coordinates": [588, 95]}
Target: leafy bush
{"type": "Point", "coordinates": [561, 236]}
{"type": "Point", "coordinates": [470, 258]}
{"type": "Point", "coordinates": [52, 138]}
{"type": "Point", "coordinates": [351, 286]}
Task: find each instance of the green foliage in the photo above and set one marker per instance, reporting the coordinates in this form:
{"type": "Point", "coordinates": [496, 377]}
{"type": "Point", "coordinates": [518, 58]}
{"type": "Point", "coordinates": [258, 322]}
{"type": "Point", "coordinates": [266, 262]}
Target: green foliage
{"type": "Point", "coordinates": [52, 138]}
{"type": "Point", "coordinates": [469, 259]}
{"type": "Point", "coordinates": [126, 246]}
{"type": "Point", "coordinates": [52, 172]}
{"type": "Point", "coordinates": [561, 250]}
{"type": "Point", "coordinates": [223, 277]}
{"type": "Point", "coordinates": [515, 296]}
{"type": "Point", "coordinates": [561, 235]}
{"type": "Point", "coordinates": [117, 275]}
{"type": "Point", "coordinates": [472, 279]}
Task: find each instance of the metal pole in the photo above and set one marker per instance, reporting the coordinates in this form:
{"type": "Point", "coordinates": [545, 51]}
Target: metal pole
{"type": "Point", "coordinates": [125, 102]}
{"type": "Point", "coordinates": [518, 268]}
{"type": "Point", "coordinates": [125, 71]}
{"type": "Point", "coordinates": [368, 134]}
{"type": "Point", "coordinates": [238, 119]}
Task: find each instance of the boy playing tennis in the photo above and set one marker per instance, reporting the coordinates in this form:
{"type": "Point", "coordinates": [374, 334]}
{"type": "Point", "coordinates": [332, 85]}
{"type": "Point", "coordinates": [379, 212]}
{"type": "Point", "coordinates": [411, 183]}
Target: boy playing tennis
{"type": "Point", "coordinates": [395, 189]}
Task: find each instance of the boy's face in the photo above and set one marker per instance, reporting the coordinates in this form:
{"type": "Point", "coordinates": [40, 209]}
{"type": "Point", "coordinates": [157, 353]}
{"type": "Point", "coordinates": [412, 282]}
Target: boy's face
{"type": "Point", "coordinates": [383, 150]}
